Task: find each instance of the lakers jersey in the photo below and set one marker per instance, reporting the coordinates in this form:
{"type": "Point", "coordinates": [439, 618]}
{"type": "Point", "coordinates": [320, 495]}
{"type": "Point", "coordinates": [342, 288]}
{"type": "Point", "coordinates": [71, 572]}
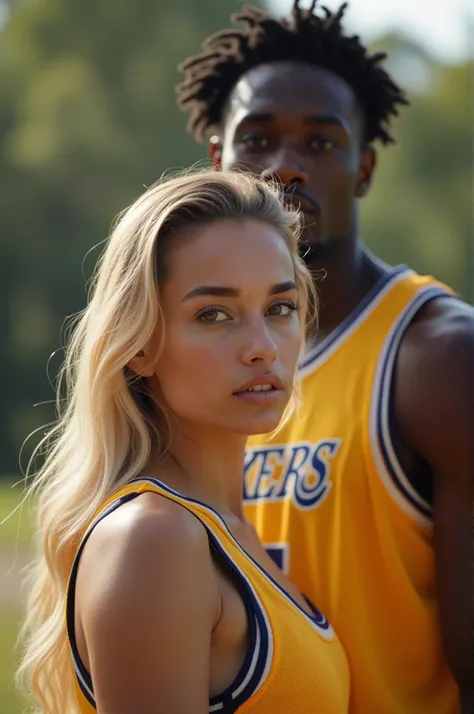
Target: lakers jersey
{"type": "Point", "coordinates": [294, 663]}
{"type": "Point", "coordinates": [332, 505]}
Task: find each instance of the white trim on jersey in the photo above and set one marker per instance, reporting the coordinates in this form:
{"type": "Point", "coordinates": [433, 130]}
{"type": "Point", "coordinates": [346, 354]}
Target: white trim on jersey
{"type": "Point", "coordinates": [318, 622]}
{"type": "Point", "coordinates": [322, 352]}
{"type": "Point", "coordinates": [262, 642]}
{"type": "Point", "coordinates": [382, 449]}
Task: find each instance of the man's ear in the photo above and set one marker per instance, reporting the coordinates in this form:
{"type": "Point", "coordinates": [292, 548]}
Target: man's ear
{"type": "Point", "coordinates": [215, 152]}
{"type": "Point", "coordinates": [368, 162]}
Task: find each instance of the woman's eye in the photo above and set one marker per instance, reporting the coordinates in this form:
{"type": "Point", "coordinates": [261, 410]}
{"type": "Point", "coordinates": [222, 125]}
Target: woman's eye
{"type": "Point", "coordinates": [212, 315]}
{"type": "Point", "coordinates": [282, 309]}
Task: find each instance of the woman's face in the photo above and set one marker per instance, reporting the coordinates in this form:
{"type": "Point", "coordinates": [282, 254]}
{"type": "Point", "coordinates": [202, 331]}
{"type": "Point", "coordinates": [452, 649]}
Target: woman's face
{"type": "Point", "coordinates": [232, 330]}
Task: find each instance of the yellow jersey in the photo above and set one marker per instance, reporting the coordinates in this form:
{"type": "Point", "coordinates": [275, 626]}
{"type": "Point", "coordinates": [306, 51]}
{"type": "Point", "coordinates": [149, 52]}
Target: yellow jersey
{"type": "Point", "coordinates": [332, 505]}
{"type": "Point", "coordinates": [294, 661]}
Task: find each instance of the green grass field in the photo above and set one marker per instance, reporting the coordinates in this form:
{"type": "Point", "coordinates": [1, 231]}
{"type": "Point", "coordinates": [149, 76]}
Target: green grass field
{"type": "Point", "coordinates": [14, 539]}
{"type": "Point", "coordinates": [9, 624]}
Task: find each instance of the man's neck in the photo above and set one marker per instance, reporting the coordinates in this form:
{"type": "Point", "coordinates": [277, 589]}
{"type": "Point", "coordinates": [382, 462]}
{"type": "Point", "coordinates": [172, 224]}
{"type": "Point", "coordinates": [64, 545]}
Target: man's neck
{"type": "Point", "coordinates": [342, 279]}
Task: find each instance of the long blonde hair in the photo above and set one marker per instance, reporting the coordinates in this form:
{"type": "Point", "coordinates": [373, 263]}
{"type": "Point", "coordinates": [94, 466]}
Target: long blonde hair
{"type": "Point", "coordinates": [105, 428]}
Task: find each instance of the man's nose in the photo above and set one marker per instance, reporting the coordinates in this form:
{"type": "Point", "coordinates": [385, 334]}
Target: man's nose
{"type": "Point", "coordinates": [287, 167]}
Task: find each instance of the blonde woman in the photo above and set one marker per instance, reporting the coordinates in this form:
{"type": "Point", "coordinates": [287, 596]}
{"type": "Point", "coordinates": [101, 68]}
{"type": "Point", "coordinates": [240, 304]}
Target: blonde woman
{"type": "Point", "coordinates": [151, 592]}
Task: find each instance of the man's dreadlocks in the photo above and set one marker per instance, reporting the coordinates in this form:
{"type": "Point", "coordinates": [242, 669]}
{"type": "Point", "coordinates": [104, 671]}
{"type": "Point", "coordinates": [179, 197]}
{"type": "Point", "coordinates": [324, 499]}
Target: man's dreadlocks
{"type": "Point", "coordinates": [209, 77]}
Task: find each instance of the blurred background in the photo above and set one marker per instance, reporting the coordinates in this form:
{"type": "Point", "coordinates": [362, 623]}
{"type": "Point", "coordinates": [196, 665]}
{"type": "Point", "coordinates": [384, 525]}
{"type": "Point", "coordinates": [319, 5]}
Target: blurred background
{"type": "Point", "coordinates": [88, 118]}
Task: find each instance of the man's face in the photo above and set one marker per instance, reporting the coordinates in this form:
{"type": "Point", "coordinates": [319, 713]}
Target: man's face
{"type": "Point", "coordinates": [302, 125]}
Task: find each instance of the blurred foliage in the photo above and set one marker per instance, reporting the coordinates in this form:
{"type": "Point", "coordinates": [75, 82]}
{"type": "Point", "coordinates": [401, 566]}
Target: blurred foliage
{"type": "Point", "coordinates": [420, 208]}
{"type": "Point", "coordinates": [88, 117]}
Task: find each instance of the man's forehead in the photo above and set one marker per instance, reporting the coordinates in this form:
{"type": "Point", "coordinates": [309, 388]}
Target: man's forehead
{"type": "Point", "coordinates": [290, 86]}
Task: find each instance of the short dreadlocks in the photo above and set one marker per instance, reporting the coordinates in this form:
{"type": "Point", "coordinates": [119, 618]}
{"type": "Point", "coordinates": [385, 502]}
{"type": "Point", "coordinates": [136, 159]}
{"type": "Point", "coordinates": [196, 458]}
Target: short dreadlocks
{"type": "Point", "coordinates": [209, 77]}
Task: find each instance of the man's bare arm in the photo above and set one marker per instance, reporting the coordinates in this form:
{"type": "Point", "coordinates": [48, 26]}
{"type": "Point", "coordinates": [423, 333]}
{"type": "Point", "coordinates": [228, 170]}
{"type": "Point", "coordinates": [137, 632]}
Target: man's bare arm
{"type": "Point", "coordinates": [434, 406]}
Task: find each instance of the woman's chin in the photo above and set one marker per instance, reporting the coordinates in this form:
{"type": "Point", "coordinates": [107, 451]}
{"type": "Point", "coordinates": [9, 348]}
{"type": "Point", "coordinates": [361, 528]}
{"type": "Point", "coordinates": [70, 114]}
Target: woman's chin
{"type": "Point", "coordinates": [263, 425]}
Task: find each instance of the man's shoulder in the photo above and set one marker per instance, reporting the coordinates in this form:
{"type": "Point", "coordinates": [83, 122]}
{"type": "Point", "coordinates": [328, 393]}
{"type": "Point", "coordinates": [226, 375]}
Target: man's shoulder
{"type": "Point", "coordinates": [438, 340]}
{"type": "Point", "coordinates": [440, 326]}
{"type": "Point", "coordinates": [435, 371]}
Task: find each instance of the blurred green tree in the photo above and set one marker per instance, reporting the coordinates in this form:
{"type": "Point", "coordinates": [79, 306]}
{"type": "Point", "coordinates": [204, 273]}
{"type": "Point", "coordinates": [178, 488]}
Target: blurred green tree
{"type": "Point", "coordinates": [419, 210]}
{"type": "Point", "coordinates": [87, 119]}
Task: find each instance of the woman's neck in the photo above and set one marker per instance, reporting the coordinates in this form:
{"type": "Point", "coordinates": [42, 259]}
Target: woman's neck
{"type": "Point", "coordinates": [205, 464]}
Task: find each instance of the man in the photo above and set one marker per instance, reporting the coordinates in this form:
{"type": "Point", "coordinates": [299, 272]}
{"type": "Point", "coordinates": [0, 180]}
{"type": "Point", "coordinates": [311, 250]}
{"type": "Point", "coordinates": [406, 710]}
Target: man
{"type": "Point", "coordinates": [365, 498]}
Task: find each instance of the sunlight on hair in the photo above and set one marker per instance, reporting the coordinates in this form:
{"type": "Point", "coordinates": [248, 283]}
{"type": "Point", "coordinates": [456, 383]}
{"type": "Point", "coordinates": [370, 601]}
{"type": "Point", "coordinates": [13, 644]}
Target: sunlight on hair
{"type": "Point", "coordinates": [108, 422]}
{"type": "Point", "coordinates": [319, 40]}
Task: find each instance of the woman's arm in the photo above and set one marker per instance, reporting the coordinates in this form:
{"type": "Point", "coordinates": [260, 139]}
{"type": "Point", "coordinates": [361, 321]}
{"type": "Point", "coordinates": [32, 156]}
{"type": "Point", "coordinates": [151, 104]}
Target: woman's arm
{"type": "Point", "coordinates": [147, 601]}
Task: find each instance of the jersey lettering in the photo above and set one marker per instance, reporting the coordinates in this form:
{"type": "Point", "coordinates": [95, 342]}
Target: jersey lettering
{"type": "Point", "coordinates": [299, 471]}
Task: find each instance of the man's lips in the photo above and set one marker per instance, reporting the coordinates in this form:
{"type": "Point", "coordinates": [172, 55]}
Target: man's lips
{"type": "Point", "coordinates": [303, 203]}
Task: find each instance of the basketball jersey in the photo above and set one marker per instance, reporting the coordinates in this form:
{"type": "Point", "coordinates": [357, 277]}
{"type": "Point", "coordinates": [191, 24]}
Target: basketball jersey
{"type": "Point", "coordinates": [332, 505]}
{"type": "Point", "coordinates": [294, 661]}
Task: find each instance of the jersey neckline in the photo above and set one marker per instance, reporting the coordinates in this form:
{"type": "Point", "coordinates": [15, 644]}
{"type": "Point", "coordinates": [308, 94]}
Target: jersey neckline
{"type": "Point", "coordinates": [317, 620]}
{"type": "Point", "coordinates": [329, 345]}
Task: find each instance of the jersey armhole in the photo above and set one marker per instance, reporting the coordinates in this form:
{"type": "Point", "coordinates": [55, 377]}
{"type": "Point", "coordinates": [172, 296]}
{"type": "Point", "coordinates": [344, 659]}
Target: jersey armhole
{"type": "Point", "coordinates": [383, 452]}
{"type": "Point", "coordinates": [83, 677]}
{"type": "Point", "coordinates": [258, 659]}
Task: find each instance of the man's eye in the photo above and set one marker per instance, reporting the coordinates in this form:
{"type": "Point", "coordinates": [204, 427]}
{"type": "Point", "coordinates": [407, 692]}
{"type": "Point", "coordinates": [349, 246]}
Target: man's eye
{"type": "Point", "coordinates": [319, 143]}
{"type": "Point", "coordinates": [254, 142]}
